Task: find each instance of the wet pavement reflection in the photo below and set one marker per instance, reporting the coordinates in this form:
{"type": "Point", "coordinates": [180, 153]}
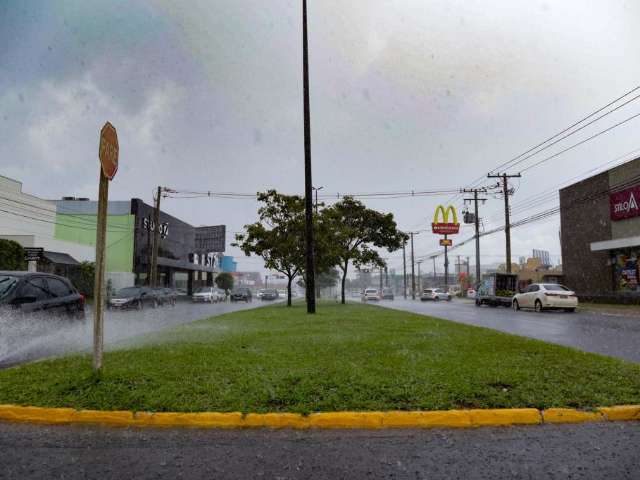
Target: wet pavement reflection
{"type": "Point", "coordinates": [607, 334]}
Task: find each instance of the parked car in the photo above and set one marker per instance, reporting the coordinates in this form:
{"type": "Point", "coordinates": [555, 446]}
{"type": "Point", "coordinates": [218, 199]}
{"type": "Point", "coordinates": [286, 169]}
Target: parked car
{"type": "Point", "coordinates": [371, 294]}
{"type": "Point", "coordinates": [133, 297]}
{"type": "Point", "coordinates": [546, 296]}
{"type": "Point", "coordinates": [220, 294]}
{"type": "Point", "coordinates": [165, 296]}
{"type": "Point", "coordinates": [356, 294]}
{"type": "Point", "coordinates": [387, 294]}
{"type": "Point", "coordinates": [31, 292]}
{"type": "Point", "coordinates": [282, 292]}
{"type": "Point", "coordinates": [434, 294]}
{"type": "Point", "coordinates": [270, 294]}
{"type": "Point", "coordinates": [241, 294]}
{"type": "Point", "coordinates": [260, 293]}
{"type": "Point", "coordinates": [204, 294]}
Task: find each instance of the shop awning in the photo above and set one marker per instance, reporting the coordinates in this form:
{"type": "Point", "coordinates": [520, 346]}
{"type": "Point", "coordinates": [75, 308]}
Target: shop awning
{"type": "Point", "coordinates": [60, 258]}
{"type": "Point", "coordinates": [615, 244]}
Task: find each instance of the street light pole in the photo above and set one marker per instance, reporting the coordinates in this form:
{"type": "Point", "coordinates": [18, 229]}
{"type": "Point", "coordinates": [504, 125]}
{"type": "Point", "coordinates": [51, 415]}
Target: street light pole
{"type": "Point", "coordinates": [308, 184]}
{"type": "Point", "coordinates": [404, 268]}
{"type": "Point", "coordinates": [413, 276]}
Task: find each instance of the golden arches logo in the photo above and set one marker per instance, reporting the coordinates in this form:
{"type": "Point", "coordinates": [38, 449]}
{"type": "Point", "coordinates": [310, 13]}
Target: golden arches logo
{"type": "Point", "coordinates": [445, 214]}
{"type": "Point", "coordinates": [445, 226]}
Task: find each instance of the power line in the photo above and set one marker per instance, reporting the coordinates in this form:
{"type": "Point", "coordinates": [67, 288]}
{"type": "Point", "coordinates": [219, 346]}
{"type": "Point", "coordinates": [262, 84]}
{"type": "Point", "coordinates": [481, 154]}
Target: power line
{"type": "Point", "coordinates": [578, 122]}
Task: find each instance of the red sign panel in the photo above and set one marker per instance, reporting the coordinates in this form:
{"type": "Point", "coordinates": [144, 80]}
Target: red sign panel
{"type": "Point", "coordinates": [108, 150]}
{"type": "Point", "coordinates": [445, 228]}
{"type": "Point", "coordinates": [625, 204]}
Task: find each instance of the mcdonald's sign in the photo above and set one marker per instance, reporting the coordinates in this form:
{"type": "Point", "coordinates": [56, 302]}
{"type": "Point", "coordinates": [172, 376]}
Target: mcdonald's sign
{"type": "Point", "coordinates": [441, 224]}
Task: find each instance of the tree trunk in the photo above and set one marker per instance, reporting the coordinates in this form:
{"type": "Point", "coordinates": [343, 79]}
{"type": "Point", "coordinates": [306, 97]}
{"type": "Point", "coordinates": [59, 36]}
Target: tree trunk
{"type": "Point", "coordinates": [289, 292]}
{"type": "Point", "coordinates": [344, 279]}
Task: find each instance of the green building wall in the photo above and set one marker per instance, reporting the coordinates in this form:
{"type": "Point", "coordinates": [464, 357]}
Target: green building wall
{"type": "Point", "coordinates": [120, 234]}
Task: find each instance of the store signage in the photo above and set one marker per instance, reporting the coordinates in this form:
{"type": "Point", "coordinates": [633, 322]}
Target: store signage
{"type": "Point", "coordinates": [441, 221]}
{"type": "Point", "coordinates": [205, 259]}
{"type": "Point", "coordinates": [149, 225]}
{"type": "Point", "coordinates": [625, 204]}
{"type": "Point", "coordinates": [33, 254]}
{"type": "Point", "coordinates": [446, 242]}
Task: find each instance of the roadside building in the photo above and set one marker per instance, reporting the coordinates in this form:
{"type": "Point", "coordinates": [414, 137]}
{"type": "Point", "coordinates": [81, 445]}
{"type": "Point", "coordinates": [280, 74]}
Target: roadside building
{"type": "Point", "coordinates": [600, 234]}
{"type": "Point", "coordinates": [187, 255]}
{"type": "Point", "coordinates": [33, 223]}
{"type": "Point", "coordinates": [228, 264]}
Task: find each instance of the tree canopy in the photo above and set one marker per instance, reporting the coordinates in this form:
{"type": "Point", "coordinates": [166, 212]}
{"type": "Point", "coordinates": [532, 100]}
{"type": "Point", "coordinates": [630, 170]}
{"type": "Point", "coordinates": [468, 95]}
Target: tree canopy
{"type": "Point", "coordinates": [11, 255]}
{"type": "Point", "coordinates": [356, 233]}
{"type": "Point", "coordinates": [278, 235]}
{"type": "Point", "coordinates": [224, 281]}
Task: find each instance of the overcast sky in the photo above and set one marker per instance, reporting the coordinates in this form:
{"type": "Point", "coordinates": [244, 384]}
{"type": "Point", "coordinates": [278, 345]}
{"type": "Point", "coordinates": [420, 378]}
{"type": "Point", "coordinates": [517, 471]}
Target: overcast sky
{"type": "Point", "coordinates": [405, 94]}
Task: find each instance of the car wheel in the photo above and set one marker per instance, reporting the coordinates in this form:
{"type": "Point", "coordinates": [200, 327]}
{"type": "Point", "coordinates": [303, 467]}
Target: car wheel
{"type": "Point", "coordinates": [515, 305]}
{"type": "Point", "coordinates": [448, 299]}
{"type": "Point", "coordinates": [538, 306]}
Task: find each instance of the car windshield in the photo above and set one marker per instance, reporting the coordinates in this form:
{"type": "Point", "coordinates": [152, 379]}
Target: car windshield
{"type": "Point", "coordinates": [7, 283]}
{"type": "Point", "coordinates": [128, 292]}
{"type": "Point", "coordinates": [371, 291]}
{"type": "Point", "coordinates": [203, 290]}
{"type": "Point", "coordinates": [556, 288]}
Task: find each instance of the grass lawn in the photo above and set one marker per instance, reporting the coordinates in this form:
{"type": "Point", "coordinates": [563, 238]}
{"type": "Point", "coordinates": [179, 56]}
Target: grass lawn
{"type": "Point", "coordinates": [353, 357]}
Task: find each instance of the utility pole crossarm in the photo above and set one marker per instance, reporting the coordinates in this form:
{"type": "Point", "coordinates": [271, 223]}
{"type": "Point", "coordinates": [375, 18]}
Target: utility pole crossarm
{"type": "Point", "coordinates": [476, 222]}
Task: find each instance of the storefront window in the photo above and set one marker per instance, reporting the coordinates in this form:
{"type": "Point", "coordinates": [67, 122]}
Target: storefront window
{"type": "Point", "coordinates": [626, 270]}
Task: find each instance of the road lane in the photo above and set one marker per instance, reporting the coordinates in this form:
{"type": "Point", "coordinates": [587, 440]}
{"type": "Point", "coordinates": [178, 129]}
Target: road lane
{"type": "Point", "coordinates": [613, 335]}
{"type": "Point", "coordinates": [588, 451]}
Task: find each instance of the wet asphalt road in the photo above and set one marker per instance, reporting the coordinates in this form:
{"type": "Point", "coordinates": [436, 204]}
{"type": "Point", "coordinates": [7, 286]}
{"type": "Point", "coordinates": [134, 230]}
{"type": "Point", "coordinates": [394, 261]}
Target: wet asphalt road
{"type": "Point", "coordinates": [590, 451]}
{"type": "Point", "coordinates": [613, 335]}
{"type": "Point", "coordinates": [23, 340]}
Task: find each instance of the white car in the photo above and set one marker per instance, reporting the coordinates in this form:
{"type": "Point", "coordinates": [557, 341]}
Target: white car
{"type": "Point", "coordinates": [219, 295]}
{"type": "Point", "coordinates": [204, 295]}
{"type": "Point", "coordinates": [370, 294]}
{"type": "Point", "coordinates": [435, 294]}
{"type": "Point", "coordinates": [543, 296]}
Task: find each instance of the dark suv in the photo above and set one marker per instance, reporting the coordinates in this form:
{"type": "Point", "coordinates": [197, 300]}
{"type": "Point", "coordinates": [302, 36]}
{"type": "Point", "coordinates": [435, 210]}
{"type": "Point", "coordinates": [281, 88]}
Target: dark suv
{"type": "Point", "coordinates": [31, 292]}
{"type": "Point", "coordinates": [241, 295]}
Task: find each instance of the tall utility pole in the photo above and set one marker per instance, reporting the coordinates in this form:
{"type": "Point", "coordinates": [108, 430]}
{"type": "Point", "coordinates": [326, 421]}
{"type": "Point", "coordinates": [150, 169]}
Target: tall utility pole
{"type": "Point", "coordinates": [476, 221]}
{"type": "Point", "coordinates": [380, 280]}
{"type": "Point", "coordinates": [308, 184]}
{"type": "Point", "coordinates": [315, 268]}
{"type": "Point", "coordinates": [386, 277]}
{"type": "Point", "coordinates": [434, 270]}
{"type": "Point", "coordinates": [156, 241]}
{"type": "Point", "coordinates": [419, 277]}
{"type": "Point", "coordinates": [413, 274]}
{"type": "Point", "coordinates": [507, 222]}
{"type": "Point", "coordinates": [404, 268]}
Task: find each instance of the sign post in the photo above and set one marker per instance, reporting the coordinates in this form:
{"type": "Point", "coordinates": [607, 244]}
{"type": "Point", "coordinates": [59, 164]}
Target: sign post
{"type": "Point", "coordinates": [31, 256]}
{"type": "Point", "coordinates": [442, 226]}
{"type": "Point", "coordinates": [108, 154]}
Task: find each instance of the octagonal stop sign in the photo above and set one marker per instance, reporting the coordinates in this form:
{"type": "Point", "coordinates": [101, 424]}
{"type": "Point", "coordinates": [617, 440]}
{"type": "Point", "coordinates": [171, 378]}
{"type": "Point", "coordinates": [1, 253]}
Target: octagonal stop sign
{"type": "Point", "coordinates": [108, 151]}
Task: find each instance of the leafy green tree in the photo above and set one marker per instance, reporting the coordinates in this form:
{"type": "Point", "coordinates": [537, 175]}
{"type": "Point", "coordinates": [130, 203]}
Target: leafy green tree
{"type": "Point", "coordinates": [83, 277]}
{"type": "Point", "coordinates": [11, 255]}
{"type": "Point", "coordinates": [357, 230]}
{"type": "Point", "coordinates": [224, 281]}
{"type": "Point", "coordinates": [278, 235]}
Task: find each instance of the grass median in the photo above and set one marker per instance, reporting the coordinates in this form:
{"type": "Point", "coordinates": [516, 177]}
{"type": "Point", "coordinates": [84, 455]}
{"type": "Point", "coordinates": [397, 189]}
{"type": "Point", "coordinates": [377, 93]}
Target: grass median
{"type": "Point", "coordinates": [351, 357]}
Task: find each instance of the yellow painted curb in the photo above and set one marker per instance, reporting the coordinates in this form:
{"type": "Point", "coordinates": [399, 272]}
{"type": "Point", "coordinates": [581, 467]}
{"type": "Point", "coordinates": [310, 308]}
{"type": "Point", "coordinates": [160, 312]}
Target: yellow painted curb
{"type": "Point", "coordinates": [365, 420]}
{"type": "Point", "coordinates": [621, 412]}
{"type": "Point", "coordinates": [569, 415]}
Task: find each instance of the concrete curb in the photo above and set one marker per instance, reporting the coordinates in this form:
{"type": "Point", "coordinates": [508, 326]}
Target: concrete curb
{"type": "Point", "coordinates": [343, 420]}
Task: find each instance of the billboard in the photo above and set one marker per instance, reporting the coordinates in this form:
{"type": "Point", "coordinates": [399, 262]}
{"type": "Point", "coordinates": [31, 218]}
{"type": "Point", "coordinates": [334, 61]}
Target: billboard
{"type": "Point", "coordinates": [211, 239]}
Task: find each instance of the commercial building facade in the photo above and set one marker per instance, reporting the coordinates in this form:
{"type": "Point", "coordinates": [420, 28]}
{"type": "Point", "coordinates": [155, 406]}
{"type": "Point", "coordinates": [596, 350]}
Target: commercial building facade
{"type": "Point", "coordinates": [33, 223]}
{"type": "Point", "coordinates": [600, 234]}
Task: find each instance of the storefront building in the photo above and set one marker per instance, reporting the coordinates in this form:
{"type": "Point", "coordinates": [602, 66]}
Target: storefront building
{"type": "Point", "coordinates": [600, 234]}
{"type": "Point", "coordinates": [188, 256]}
